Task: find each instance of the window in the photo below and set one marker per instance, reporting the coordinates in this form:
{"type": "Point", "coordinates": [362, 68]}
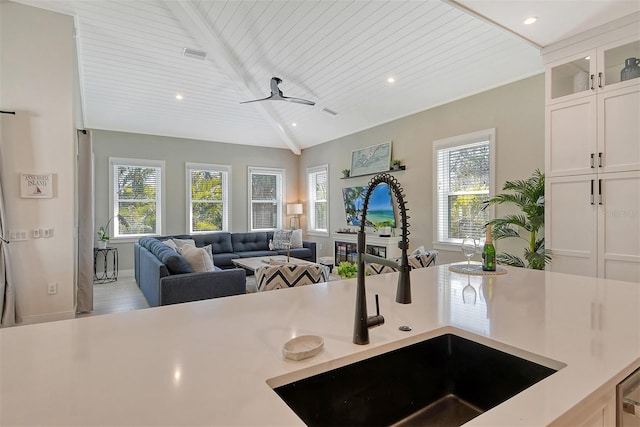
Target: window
{"type": "Point", "coordinates": [318, 189]}
{"type": "Point", "coordinates": [464, 178]}
{"type": "Point", "coordinates": [265, 198]}
{"type": "Point", "coordinates": [207, 197]}
{"type": "Point", "coordinates": [136, 188]}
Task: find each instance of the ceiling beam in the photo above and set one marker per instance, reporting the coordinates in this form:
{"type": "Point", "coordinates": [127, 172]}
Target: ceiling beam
{"type": "Point", "coordinates": [192, 22]}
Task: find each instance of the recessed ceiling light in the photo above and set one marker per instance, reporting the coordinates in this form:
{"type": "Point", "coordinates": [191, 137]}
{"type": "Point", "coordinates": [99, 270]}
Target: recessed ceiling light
{"type": "Point", "coordinates": [530, 20]}
{"type": "Point", "coordinates": [178, 97]}
{"type": "Point", "coordinates": [294, 124]}
{"type": "Point", "coordinates": [587, 58]}
{"type": "Point", "coordinates": [391, 80]}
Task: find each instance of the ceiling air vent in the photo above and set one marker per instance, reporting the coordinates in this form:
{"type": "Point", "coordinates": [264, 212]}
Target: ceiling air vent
{"type": "Point", "coordinates": [328, 111]}
{"type": "Point", "coordinates": [192, 53]}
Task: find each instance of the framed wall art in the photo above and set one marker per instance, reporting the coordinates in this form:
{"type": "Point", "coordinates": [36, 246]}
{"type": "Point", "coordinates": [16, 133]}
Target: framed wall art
{"type": "Point", "coordinates": [36, 185]}
{"type": "Point", "coordinates": [370, 160]}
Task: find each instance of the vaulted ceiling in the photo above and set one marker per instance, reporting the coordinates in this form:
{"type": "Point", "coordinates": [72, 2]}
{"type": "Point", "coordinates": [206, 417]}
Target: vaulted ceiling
{"type": "Point", "coordinates": [339, 54]}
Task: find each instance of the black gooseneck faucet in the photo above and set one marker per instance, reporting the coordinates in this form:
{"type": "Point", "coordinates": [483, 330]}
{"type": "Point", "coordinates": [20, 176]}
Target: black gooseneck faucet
{"type": "Point", "coordinates": [403, 294]}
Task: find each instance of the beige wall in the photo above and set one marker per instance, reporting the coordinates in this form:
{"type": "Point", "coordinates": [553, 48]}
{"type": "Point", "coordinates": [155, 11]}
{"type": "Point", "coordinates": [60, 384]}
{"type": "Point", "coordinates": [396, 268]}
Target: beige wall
{"type": "Point", "coordinates": [175, 152]}
{"type": "Point", "coordinates": [37, 82]}
{"type": "Point", "coordinates": [515, 110]}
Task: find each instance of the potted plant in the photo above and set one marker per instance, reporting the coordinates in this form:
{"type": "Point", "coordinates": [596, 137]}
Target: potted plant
{"type": "Point", "coordinates": [103, 237]}
{"type": "Point", "coordinates": [528, 196]}
{"type": "Point", "coordinates": [395, 164]}
{"type": "Point", "coordinates": [347, 270]}
{"type": "Point", "coordinates": [345, 173]}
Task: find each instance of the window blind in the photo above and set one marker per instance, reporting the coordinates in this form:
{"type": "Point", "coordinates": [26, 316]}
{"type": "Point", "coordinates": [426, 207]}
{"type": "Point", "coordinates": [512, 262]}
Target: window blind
{"type": "Point", "coordinates": [319, 206]}
{"type": "Point", "coordinates": [208, 198]}
{"type": "Point", "coordinates": [136, 198]}
{"type": "Point", "coordinates": [463, 183]}
{"type": "Point", "coordinates": [266, 199]}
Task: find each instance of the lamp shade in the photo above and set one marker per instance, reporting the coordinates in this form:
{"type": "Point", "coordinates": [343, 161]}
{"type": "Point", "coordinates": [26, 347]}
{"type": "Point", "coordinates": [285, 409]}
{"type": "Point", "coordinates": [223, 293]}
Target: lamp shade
{"type": "Point", "coordinates": [294, 209]}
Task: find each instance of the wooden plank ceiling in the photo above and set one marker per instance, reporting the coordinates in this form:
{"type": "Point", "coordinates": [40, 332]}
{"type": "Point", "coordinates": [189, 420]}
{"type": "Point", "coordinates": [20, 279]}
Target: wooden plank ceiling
{"type": "Point", "coordinates": [338, 54]}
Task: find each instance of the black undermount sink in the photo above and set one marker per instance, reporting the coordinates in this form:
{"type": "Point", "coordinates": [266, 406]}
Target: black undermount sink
{"type": "Point", "coordinates": [443, 381]}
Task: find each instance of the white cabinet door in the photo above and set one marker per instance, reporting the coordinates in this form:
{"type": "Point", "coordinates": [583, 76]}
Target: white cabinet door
{"type": "Point", "coordinates": [571, 139]}
{"type": "Point", "coordinates": [619, 226]}
{"type": "Point", "coordinates": [571, 224]}
{"type": "Point", "coordinates": [619, 130]}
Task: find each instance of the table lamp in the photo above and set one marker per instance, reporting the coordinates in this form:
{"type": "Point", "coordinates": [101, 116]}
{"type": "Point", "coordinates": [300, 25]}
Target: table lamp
{"type": "Point", "coordinates": [294, 209]}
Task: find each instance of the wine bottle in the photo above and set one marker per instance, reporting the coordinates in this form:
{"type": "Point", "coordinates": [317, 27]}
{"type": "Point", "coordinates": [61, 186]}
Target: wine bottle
{"type": "Point", "coordinates": [488, 253]}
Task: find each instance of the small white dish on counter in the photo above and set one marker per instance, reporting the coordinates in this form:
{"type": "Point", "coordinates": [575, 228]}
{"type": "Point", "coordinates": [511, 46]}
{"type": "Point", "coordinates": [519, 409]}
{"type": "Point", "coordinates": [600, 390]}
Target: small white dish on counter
{"type": "Point", "coordinates": [302, 347]}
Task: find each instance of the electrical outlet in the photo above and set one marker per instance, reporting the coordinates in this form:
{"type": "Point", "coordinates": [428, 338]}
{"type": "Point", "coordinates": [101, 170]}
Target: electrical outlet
{"type": "Point", "coordinates": [52, 288]}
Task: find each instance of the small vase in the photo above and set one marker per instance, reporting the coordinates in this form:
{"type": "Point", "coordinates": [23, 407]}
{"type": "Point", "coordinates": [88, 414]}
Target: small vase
{"type": "Point", "coordinates": [102, 244]}
{"type": "Point", "coordinates": [631, 69]}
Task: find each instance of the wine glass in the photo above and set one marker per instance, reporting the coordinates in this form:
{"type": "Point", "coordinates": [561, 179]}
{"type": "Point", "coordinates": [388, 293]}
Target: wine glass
{"type": "Point", "coordinates": [469, 293]}
{"type": "Point", "coordinates": [468, 249]}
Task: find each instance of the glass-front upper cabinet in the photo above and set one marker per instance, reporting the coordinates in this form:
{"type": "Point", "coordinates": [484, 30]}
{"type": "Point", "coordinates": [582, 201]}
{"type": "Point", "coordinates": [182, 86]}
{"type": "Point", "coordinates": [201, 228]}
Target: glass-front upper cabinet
{"type": "Point", "coordinates": [611, 66]}
{"type": "Point", "coordinates": [573, 76]}
{"type": "Point", "coordinates": [620, 62]}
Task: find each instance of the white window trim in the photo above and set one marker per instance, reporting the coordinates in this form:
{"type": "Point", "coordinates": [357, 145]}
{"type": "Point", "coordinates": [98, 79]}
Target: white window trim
{"type": "Point", "coordinates": [279, 200]}
{"type": "Point", "coordinates": [454, 141]}
{"type": "Point", "coordinates": [226, 200]}
{"type": "Point", "coordinates": [112, 211]}
{"type": "Point", "coordinates": [310, 209]}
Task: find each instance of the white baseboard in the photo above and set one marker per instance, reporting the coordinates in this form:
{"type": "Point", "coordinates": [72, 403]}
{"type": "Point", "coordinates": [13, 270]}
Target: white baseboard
{"type": "Point", "coordinates": [42, 318]}
{"type": "Point", "coordinates": [126, 274]}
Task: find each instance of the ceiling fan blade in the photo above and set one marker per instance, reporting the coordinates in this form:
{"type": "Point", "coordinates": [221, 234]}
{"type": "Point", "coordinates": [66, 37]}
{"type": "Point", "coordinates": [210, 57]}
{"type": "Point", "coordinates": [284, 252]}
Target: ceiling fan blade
{"type": "Point", "coordinates": [298, 100]}
{"type": "Point", "coordinates": [257, 100]}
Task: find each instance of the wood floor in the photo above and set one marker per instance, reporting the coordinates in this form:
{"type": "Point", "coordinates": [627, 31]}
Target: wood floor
{"type": "Point", "coordinates": [121, 295]}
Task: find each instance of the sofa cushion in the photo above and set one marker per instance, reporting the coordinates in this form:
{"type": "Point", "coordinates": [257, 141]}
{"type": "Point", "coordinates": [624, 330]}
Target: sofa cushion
{"type": "Point", "coordinates": [220, 241]}
{"type": "Point", "coordinates": [199, 259]}
{"type": "Point", "coordinates": [301, 253]}
{"type": "Point", "coordinates": [249, 254]}
{"type": "Point", "coordinates": [243, 242]}
{"type": "Point", "coordinates": [224, 259]}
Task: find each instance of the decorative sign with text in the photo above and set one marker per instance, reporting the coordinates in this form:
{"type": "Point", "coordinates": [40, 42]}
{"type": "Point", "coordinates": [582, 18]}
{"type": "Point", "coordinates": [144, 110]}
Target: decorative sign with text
{"type": "Point", "coordinates": [36, 185]}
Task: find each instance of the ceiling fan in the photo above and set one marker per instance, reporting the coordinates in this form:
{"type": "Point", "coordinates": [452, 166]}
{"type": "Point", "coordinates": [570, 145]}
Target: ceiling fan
{"type": "Point", "coordinates": [276, 95]}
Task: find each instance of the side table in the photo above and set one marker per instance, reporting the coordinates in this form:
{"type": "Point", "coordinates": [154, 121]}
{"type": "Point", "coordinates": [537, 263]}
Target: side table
{"type": "Point", "coordinates": [105, 265]}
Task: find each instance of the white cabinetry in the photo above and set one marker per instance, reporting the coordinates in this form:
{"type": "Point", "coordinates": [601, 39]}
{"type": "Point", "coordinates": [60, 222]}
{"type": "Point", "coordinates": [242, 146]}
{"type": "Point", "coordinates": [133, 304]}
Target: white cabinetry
{"type": "Point", "coordinates": [592, 154]}
{"type": "Point", "coordinates": [593, 224]}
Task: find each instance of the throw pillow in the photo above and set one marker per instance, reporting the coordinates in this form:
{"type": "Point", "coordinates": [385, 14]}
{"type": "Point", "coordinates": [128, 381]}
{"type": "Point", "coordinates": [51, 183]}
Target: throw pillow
{"type": "Point", "coordinates": [281, 239]}
{"type": "Point", "coordinates": [419, 251]}
{"type": "Point", "coordinates": [198, 258]}
{"type": "Point", "coordinates": [296, 238]}
{"type": "Point", "coordinates": [181, 242]}
{"type": "Point", "coordinates": [170, 243]}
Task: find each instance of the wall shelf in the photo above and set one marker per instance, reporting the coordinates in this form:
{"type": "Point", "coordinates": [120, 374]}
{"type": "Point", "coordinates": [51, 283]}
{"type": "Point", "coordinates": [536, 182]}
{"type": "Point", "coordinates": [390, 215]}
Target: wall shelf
{"type": "Point", "coordinates": [402, 167]}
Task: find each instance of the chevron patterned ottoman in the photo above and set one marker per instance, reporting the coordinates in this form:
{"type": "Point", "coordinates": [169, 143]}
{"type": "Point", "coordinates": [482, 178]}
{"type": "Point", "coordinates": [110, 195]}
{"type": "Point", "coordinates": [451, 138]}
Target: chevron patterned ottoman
{"type": "Point", "coordinates": [270, 277]}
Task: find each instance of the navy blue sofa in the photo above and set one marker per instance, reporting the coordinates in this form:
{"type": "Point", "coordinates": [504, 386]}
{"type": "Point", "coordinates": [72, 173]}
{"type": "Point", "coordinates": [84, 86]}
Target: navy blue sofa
{"type": "Point", "coordinates": [164, 276]}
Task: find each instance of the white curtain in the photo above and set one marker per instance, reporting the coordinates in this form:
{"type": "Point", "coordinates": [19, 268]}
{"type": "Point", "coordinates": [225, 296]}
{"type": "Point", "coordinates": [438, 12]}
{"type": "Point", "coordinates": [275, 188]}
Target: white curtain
{"type": "Point", "coordinates": [85, 223]}
{"type": "Point", "coordinates": [8, 314]}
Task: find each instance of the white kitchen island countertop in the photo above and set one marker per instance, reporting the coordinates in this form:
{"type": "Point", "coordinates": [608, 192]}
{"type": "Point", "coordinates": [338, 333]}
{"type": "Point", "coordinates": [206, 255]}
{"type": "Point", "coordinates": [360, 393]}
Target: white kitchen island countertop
{"type": "Point", "coordinates": [208, 362]}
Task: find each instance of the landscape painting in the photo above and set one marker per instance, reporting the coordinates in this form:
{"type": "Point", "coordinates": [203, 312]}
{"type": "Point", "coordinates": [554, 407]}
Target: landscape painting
{"type": "Point", "coordinates": [380, 210]}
